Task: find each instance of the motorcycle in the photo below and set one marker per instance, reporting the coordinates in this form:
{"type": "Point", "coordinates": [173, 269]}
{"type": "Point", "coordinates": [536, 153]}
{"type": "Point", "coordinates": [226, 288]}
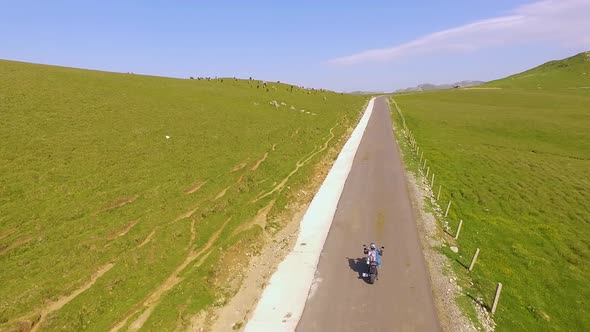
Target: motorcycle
{"type": "Point", "coordinates": [372, 267]}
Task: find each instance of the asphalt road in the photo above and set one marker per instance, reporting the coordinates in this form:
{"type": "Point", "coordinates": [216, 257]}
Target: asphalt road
{"type": "Point", "coordinates": [374, 207]}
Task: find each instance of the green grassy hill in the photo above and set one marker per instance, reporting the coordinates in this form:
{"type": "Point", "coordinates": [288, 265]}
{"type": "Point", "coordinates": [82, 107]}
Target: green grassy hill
{"type": "Point", "coordinates": [515, 161]}
{"type": "Point", "coordinates": [93, 194]}
{"type": "Point", "coordinates": [573, 73]}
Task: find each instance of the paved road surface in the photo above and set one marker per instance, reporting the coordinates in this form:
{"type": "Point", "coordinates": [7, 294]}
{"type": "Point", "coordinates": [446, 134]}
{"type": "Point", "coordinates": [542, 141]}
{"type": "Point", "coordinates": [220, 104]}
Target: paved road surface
{"type": "Point", "coordinates": [374, 206]}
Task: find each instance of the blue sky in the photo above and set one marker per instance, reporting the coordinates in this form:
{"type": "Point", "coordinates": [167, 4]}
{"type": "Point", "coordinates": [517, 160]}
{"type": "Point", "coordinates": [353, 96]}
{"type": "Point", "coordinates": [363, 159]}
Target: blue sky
{"type": "Point", "coordinates": [339, 45]}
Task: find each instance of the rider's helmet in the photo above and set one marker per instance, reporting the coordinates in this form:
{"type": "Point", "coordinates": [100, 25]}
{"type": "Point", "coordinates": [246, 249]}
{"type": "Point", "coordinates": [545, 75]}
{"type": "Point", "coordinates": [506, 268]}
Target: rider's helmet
{"type": "Point", "coordinates": [373, 247]}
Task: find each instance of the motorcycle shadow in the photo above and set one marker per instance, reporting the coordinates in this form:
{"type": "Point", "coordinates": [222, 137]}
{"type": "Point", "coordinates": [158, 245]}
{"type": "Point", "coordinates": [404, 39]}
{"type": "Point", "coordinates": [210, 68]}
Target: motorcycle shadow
{"type": "Point", "coordinates": [358, 265]}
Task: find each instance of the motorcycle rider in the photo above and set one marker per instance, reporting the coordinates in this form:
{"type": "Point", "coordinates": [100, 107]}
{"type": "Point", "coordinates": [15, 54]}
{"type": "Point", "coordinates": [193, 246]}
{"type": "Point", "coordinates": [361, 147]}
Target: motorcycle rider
{"type": "Point", "coordinates": [374, 255]}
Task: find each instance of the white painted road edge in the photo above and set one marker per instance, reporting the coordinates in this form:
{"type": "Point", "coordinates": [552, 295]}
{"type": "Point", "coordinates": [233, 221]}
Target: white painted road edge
{"type": "Point", "coordinates": [283, 300]}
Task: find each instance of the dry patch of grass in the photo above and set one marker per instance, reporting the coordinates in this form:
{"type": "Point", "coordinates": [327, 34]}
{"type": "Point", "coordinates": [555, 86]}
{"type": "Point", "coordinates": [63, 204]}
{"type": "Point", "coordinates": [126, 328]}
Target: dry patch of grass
{"type": "Point", "coordinates": [118, 203]}
{"type": "Point", "coordinates": [17, 243]}
{"type": "Point", "coordinates": [124, 230]}
{"type": "Point", "coordinates": [195, 187]}
{"type": "Point", "coordinates": [7, 232]}
{"type": "Point", "coordinates": [258, 162]}
{"type": "Point", "coordinates": [221, 194]}
{"type": "Point", "coordinates": [239, 167]}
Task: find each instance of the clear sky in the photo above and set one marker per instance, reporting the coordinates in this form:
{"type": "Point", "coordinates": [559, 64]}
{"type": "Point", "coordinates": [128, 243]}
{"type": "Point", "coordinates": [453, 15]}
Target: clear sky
{"type": "Point", "coordinates": [339, 45]}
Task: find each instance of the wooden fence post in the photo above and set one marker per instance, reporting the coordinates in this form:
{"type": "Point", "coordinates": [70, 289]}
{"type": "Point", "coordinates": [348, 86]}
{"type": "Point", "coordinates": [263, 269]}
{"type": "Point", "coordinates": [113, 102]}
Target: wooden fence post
{"type": "Point", "coordinates": [474, 259]}
{"type": "Point", "coordinates": [458, 229]}
{"type": "Point", "coordinates": [424, 163]}
{"type": "Point", "coordinates": [438, 195]}
{"type": "Point", "coordinates": [432, 182]}
{"type": "Point", "coordinates": [448, 207]}
{"type": "Point", "coordinates": [427, 171]}
{"type": "Point", "coordinates": [497, 297]}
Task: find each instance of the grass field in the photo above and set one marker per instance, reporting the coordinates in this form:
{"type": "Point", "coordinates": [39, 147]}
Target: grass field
{"type": "Point", "coordinates": [104, 221]}
{"type": "Point", "coordinates": [515, 161]}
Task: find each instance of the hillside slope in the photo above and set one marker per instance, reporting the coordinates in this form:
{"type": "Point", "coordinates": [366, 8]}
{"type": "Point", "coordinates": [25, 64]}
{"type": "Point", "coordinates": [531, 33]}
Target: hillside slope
{"type": "Point", "coordinates": [514, 161]}
{"type": "Point", "coordinates": [117, 191]}
{"type": "Point", "coordinates": [572, 72]}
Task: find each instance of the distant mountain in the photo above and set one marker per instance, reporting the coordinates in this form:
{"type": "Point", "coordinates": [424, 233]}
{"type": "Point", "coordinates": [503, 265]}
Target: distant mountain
{"type": "Point", "coordinates": [430, 87]}
{"type": "Point", "coordinates": [365, 93]}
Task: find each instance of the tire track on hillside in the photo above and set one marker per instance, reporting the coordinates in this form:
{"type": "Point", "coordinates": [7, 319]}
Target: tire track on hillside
{"type": "Point", "coordinates": [122, 231]}
{"type": "Point", "coordinates": [238, 167]}
{"type": "Point", "coordinates": [195, 187]}
{"type": "Point", "coordinates": [117, 204]}
{"type": "Point", "coordinates": [146, 308]}
{"type": "Point", "coordinates": [258, 162]}
{"type": "Point", "coordinates": [259, 219]}
{"type": "Point", "coordinates": [147, 239]}
{"type": "Point", "coordinates": [58, 304]}
{"type": "Point", "coordinates": [7, 232]}
{"type": "Point", "coordinates": [17, 243]}
{"type": "Point", "coordinates": [302, 162]}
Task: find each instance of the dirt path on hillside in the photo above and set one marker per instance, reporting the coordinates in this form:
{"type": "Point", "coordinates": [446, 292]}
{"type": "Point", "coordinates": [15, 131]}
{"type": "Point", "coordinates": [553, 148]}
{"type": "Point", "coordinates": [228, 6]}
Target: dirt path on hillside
{"type": "Point", "coordinates": [302, 162]}
{"type": "Point", "coordinates": [150, 303]}
{"type": "Point", "coordinates": [54, 306]}
{"type": "Point", "coordinates": [17, 243]}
